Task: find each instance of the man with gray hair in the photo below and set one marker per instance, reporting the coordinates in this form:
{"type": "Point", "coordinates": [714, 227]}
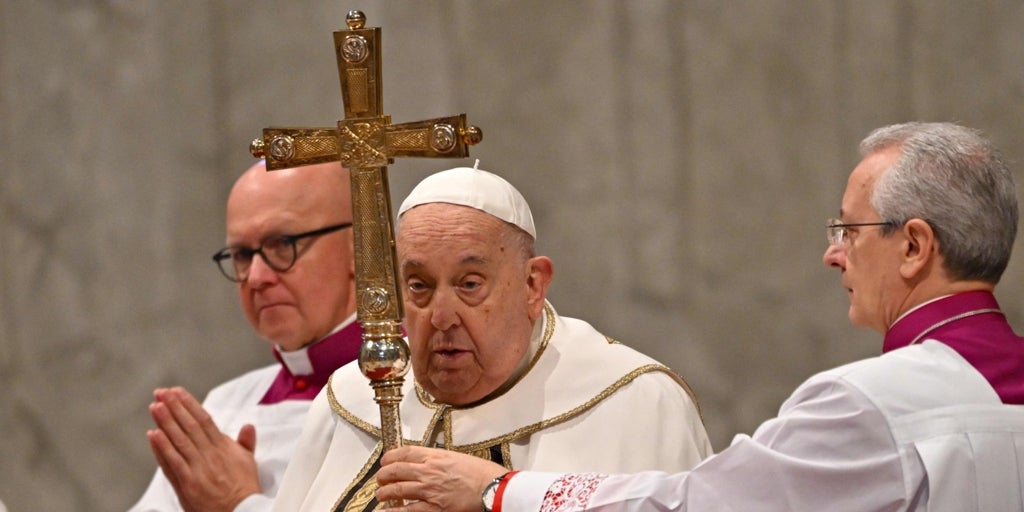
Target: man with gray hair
{"type": "Point", "coordinates": [496, 372]}
{"type": "Point", "coordinates": [935, 423]}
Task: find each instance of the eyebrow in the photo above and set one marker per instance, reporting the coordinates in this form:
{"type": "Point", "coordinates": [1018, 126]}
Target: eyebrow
{"type": "Point", "coordinates": [410, 265]}
{"type": "Point", "coordinates": [473, 259]}
{"type": "Point", "coordinates": [417, 264]}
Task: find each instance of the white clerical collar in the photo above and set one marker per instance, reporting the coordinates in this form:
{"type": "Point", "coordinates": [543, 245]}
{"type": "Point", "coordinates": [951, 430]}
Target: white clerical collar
{"type": "Point", "coordinates": [298, 361]}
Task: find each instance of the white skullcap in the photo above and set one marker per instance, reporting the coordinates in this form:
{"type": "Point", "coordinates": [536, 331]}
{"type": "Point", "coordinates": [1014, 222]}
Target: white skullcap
{"type": "Point", "coordinates": [475, 188]}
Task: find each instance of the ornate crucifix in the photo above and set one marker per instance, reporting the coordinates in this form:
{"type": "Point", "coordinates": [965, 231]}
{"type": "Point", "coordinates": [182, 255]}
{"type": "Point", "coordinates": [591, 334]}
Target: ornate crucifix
{"type": "Point", "coordinates": [365, 142]}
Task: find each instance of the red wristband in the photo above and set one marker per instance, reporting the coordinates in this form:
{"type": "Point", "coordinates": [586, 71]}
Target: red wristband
{"type": "Point", "coordinates": [501, 490]}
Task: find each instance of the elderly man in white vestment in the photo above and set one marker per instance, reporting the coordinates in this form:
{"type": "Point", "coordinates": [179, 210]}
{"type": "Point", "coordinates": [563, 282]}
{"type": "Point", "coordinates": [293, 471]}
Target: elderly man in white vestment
{"type": "Point", "coordinates": [496, 372]}
{"type": "Point", "coordinates": [289, 253]}
{"type": "Point", "coordinates": [935, 423]}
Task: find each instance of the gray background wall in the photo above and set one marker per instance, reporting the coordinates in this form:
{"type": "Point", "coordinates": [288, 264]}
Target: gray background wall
{"type": "Point", "coordinates": [680, 157]}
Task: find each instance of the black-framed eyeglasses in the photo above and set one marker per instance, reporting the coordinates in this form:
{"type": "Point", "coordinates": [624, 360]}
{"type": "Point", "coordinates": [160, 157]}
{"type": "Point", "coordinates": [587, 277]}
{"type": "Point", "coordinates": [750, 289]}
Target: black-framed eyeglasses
{"type": "Point", "coordinates": [278, 252]}
{"type": "Point", "coordinates": [838, 234]}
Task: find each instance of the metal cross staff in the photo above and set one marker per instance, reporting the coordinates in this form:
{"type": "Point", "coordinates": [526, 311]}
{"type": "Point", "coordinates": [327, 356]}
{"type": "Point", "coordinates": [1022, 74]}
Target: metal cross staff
{"type": "Point", "coordinates": [365, 142]}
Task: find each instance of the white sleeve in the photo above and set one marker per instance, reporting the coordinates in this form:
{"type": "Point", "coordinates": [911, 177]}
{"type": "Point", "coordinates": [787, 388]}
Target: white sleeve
{"type": "Point", "coordinates": [255, 503]}
{"type": "Point", "coordinates": [830, 449]}
{"type": "Point", "coordinates": [224, 403]}
{"type": "Point", "coordinates": [160, 497]}
{"type": "Point", "coordinates": [525, 490]}
{"type": "Point", "coordinates": [309, 455]}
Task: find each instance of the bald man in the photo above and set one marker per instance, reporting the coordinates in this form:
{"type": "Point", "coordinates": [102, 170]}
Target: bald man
{"type": "Point", "coordinates": [289, 252]}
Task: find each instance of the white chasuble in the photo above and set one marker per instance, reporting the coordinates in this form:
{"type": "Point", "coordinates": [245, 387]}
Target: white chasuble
{"type": "Point", "coordinates": [586, 402]}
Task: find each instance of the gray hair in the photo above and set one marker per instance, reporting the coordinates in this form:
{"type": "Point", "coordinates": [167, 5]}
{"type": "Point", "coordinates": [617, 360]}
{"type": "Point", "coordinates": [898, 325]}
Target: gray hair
{"type": "Point", "coordinates": [955, 180]}
{"type": "Point", "coordinates": [516, 238]}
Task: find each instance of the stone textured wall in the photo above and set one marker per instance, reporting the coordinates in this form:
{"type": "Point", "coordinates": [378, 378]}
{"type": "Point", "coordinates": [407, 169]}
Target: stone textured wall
{"type": "Point", "coordinates": [680, 157]}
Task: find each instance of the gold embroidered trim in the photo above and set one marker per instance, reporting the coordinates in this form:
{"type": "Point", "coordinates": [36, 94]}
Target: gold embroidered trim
{"type": "Point", "coordinates": [485, 453]}
{"type": "Point", "coordinates": [675, 376]}
{"type": "Point", "coordinates": [686, 387]}
{"type": "Point", "coordinates": [432, 426]}
{"type": "Point", "coordinates": [441, 409]}
{"type": "Point", "coordinates": [541, 425]}
{"type": "Point", "coordinates": [362, 497]}
{"type": "Point", "coordinates": [362, 473]}
{"type": "Point", "coordinates": [447, 426]}
{"type": "Point", "coordinates": [506, 455]}
{"type": "Point", "coordinates": [347, 416]}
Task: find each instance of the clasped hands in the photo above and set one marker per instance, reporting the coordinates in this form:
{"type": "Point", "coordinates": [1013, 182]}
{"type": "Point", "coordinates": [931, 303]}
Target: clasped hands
{"type": "Point", "coordinates": [208, 469]}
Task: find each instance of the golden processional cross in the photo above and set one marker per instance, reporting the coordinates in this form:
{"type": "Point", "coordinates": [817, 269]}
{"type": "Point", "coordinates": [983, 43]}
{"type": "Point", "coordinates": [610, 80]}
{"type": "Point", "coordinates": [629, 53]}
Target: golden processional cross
{"type": "Point", "coordinates": [365, 142]}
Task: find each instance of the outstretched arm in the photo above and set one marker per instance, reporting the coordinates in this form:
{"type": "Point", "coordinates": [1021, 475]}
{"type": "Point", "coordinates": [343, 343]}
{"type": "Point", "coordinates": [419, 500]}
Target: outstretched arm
{"type": "Point", "coordinates": [209, 470]}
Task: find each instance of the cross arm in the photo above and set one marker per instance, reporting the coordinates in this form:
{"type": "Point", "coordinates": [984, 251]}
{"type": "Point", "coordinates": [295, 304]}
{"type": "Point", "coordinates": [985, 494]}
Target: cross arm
{"type": "Point", "coordinates": [286, 147]}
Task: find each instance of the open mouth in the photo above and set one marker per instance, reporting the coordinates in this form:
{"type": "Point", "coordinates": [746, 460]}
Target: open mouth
{"type": "Point", "coordinates": [450, 354]}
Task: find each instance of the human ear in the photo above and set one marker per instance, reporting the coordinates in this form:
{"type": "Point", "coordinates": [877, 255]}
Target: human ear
{"type": "Point", "coordinates": [540, 271]}
{"type": "Point", "coordinates": [918, 249]}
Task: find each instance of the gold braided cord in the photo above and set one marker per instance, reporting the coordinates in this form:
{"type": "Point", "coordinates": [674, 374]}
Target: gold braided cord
{"type": "Point", "coordinates": [506, 455]}
{"type": "Point", "coordinates": [676, 377]}
{"type": "Point", "coordinates": [541, 425]}
{"type": "Point", "coordinates": [441, 409]}
{"type": "Point", "coordinates": [686, 387]}
{"type": "Point", "coordinates": [432, 426]}
{"type": "Point", "coordinates": [347, 416]}
{"type": "Point", "coordinates": [448, 441]}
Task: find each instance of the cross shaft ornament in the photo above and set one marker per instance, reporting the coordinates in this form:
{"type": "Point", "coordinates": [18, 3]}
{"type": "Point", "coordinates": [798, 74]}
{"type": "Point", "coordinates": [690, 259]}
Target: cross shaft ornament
{"type": "Point", "coordinates": [365, 142]}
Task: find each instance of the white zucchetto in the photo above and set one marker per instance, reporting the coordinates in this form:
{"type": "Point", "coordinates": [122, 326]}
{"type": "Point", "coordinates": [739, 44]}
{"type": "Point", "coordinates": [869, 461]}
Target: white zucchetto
{"type": "Point", "coordinates": [474, 188]}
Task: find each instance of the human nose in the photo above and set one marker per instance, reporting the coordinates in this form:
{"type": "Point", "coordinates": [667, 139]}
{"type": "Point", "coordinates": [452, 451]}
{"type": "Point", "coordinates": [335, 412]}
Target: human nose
{"type": "Point", "coordinates": [835, 256]}
{"type": "Point", "coordinates": [260, 274]}
{"type": "Point", "coordinates": [445, 310]}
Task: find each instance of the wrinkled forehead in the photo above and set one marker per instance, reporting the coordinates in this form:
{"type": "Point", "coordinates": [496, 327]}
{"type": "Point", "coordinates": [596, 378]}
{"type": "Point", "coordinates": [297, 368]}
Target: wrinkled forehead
{"type": "Point", "coordinates": [446, 236]}
{"type": "Point", "coordinates": [444, 217]}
